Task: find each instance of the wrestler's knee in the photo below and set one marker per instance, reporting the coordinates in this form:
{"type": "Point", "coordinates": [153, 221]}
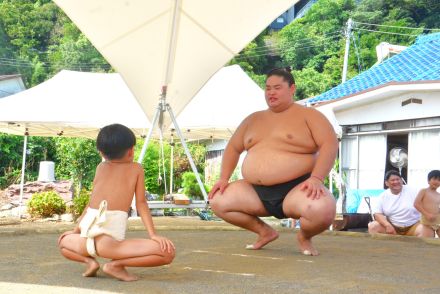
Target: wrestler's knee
{"type": "Point", "coordinates": [373, 227]}
{"type": "Point", "coordinates": [217, 203]}
{"type": "Point", "coordinates": [169, 257]}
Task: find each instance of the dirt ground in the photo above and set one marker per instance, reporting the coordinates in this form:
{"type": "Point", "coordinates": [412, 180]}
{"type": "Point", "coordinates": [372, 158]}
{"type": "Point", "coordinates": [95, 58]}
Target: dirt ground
{"type": "Point", "coordinates": [211, 259]}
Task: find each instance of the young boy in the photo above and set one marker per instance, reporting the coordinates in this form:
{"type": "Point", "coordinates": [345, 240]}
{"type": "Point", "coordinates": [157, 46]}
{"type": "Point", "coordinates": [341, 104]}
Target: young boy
{"type": "Point", "coordinates": [101, 232]}
{"type": "Point", "coordinates": [428, 203]}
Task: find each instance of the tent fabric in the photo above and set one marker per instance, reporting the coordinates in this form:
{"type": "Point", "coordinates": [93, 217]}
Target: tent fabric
{"type": "Point", "coordinates": [220, 106]}
{"type": "Point", "coordinates": [78, 104]}
{"type": "Point", "coordinates": [72, 104]}
{"type": "Point", "coordinates": [177, 43]}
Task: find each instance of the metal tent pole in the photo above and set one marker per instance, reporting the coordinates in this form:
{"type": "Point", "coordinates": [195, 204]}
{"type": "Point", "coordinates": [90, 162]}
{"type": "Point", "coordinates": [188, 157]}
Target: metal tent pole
{"type": "Point", "coordinates": [144, 150]}
{"type": "Point", "coordinates": [185, 147]}
{"type": "Point", "coordinates": [23, 166]}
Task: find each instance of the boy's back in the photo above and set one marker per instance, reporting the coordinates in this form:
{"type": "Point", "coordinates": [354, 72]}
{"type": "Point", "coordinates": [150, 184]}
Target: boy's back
{"type": "Point", "coordinates": [116, 183]}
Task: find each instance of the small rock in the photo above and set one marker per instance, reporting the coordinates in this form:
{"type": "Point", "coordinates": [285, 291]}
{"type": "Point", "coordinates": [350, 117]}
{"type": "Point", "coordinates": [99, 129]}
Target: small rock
{"type": "Point", "coordinates": [7, 206]}
{"type": "Point", "coordinates": [67, 217]}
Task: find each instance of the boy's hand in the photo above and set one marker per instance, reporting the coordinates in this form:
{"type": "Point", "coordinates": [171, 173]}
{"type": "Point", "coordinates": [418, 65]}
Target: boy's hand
{"type": "Point", "coordinates": [165, 244]}
{"type": "Point", "coordinates": [431, 217]}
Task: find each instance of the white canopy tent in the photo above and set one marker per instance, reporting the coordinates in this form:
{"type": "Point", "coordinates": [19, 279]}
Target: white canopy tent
{"type": "Point", "coordinates": [72, 104]}
{"type": "Point", "coordinates": [78, 104]}
{"type": "Point", "coordinates": [157, 45]}
{"type": "Point", "coordinates": [179, 44]}
{"type": "Point", "coordinates": [220, 106]}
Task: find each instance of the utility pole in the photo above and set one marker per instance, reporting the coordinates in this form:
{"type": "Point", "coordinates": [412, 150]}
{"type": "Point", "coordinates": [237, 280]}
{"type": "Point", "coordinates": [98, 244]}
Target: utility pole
{"type": "Point", "coordinates": [347, 48]}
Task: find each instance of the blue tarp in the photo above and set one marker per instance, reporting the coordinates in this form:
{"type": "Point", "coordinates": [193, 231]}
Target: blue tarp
{"type": "Point", "coordinates": [355, 196]}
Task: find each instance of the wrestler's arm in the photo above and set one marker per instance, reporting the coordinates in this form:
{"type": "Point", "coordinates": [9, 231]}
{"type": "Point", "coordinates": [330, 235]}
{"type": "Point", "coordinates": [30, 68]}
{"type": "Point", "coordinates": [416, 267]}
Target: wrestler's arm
{"type": "Point", "coordinates": [382, 219]}
{"type": "Point", "coordinates": [327, 143]}
{"type": "Point", "coordinates": [325, 138]}
{"type": "Point", "coordinates": [230, 159]}
{"type": "Point", "coordinates": [144, 211]}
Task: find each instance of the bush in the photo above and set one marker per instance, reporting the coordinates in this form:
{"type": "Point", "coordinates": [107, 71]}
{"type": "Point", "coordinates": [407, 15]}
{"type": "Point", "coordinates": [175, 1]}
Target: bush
{"type": "Point", "coordinates": [46, 204]}
{"type": "Point", "coordinates": [80, 202]}
{"type": "Point", "coordinates": [191, 187]}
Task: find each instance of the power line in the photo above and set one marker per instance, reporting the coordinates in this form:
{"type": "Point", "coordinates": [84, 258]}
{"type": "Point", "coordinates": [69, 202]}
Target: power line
{"type": "Point", "coordinates": [289, 44]}
{"type": "Point", "coordinates": [285, 49]}
{"type": "Point", "coordinates": [383, 32]}
{"type": "Point", "coordinates": [307, 41]}
{"type": "Point", "coordinates": [400, 27]}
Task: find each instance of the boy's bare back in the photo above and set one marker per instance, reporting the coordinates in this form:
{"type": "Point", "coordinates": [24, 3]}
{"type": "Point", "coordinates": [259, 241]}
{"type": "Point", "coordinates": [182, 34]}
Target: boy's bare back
{"type": "Point", "coordinates": [116, 182]}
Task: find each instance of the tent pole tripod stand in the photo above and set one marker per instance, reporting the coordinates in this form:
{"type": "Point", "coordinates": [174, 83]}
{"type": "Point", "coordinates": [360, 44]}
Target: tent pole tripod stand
{"type": "Point", "coordinates": [158, 118]}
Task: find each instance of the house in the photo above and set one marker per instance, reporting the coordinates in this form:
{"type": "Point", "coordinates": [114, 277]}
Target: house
{"type": "Point", "coordinates": [395, 104]}
{"type": "Point", "coordinates": [10, 84]}
{"type": "Point", "coordinates": [298, 10]}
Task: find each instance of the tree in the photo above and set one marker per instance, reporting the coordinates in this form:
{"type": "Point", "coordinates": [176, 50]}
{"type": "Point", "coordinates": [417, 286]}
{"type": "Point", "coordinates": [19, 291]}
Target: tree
{"type": "Point", "coordinates": [77, 159]}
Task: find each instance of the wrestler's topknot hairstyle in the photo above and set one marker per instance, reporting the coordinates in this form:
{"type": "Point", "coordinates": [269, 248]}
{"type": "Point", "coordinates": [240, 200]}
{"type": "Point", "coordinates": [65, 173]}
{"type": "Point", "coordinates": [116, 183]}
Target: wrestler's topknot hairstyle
{"type": "Point", "coordinates": [390, 173]}
{"type": "Point", "coordinates": [284, 72]}
{"type": "Point", "coordinates": [114, 140]}
{"type": "Point", "coordinates": [434, 174]}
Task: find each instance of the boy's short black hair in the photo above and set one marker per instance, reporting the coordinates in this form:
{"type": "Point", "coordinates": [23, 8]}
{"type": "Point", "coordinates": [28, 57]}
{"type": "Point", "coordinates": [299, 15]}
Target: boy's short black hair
{"type": "Point", "coordinates": [390, 173]}
{"type": "Point", "coordinates": [114, 140]}
{"type": "Point", "coordinates": [434, 174]}
{"type": "Point", "coordinates": [284, 72]}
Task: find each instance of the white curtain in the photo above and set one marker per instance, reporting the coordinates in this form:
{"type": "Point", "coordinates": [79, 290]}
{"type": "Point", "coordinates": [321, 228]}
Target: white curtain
{"type": "Point", "coordinates": [349, 161]}
{"type": "Point", "coordinates": [423, 156]}
{"type": "Point", "coordinates": [372, 157]}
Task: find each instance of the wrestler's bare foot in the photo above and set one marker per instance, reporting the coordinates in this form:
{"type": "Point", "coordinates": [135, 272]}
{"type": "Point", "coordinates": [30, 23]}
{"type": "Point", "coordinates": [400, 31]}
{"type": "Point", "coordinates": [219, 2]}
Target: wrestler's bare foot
{"type": "Point", "coordinates": [305, 245]}
{"type": "Point", "coordinates": [92, 268]}
{"type": "Point", "coordinates": [118, 272]}
{"type": "Point", "coordinates": [266, 237]}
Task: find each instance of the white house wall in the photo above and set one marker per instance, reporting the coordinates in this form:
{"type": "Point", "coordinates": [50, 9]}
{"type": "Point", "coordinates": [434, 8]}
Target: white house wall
{"type": "Point", "coordinates": [391, 109]}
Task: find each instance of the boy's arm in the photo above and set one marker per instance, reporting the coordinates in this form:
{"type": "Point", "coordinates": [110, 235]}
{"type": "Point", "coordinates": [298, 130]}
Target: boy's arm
{"type": "Point", "coordinates": [418, 204]}
{"type": "Point", "coordinates": [144, 212]}
{"type": "Point", "coordinates": [141, 204]}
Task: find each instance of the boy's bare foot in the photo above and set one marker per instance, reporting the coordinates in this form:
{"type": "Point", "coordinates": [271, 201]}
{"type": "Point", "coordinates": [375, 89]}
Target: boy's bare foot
{"type": "Point", "coordinates": [268, 236]}
{"type": "Point", "coordinates": [305, 245]}
{"type": "Point", "coordinates": [118, 272]}
{"type": "Point", "coordinates": [92, 268]}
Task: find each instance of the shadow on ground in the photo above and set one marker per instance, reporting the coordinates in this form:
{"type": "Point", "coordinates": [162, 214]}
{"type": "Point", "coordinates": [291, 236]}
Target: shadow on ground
{"type": "Point", "coordinates": [216, 262]}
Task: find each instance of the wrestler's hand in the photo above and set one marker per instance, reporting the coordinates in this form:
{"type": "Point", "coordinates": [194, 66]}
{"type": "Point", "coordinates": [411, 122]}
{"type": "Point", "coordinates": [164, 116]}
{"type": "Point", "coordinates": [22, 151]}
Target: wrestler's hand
{"type": "Point", "coordinates": [314, 188]}
{"type": "Point", "coordinates": [164, 243]}
{"type": "Point", "coordinates": [219, 186]}
{"type": "Point", "coordinates": [389, 229]}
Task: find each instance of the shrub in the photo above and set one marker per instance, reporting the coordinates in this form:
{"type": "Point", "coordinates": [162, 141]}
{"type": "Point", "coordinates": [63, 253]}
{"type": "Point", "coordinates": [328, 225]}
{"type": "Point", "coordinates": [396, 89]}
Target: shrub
{"type": "Point", "coordinates": [46, 204]}
{"type": "Point", "coordinates": [191, 187]}
{"type": "Point", "coordinates": [80, 202]}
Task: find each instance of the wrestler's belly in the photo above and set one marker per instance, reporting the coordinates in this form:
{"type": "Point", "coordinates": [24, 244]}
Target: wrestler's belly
{"type": "Point", "coordinates": [261, 167]}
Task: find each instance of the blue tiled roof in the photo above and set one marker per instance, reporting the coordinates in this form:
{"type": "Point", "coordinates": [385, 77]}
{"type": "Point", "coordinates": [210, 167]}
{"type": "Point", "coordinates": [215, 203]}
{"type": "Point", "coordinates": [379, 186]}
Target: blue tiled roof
{"type": "Point", "coordinates": [419, 62]}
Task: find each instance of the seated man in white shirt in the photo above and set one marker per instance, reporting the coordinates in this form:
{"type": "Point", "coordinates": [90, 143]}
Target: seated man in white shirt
{"type": "Point", "coordinates": [394, 212]}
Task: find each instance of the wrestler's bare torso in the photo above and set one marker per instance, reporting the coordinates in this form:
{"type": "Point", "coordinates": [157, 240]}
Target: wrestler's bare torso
{"type": "Point", "coordinates": [279, 145]}
{"type": "Point", "coordinates": [116, 183]}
